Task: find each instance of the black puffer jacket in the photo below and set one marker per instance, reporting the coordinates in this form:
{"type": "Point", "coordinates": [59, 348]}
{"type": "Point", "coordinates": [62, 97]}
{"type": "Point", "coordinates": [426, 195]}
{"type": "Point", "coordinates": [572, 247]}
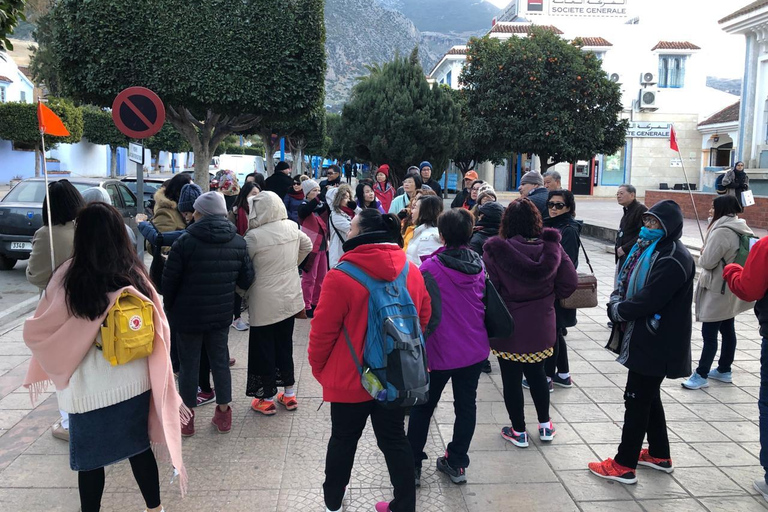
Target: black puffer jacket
{"type": "Point", "coordinates": [487, 226]}
{"type": "Point", "coordinates": [200, 275]}
{"type": "Point", "coordinates": [668, 292]}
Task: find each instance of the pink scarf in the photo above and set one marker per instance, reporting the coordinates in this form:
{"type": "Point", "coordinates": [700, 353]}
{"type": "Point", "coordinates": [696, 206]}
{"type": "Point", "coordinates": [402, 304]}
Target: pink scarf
{"type": "Point", "coordinates": [59, 341]}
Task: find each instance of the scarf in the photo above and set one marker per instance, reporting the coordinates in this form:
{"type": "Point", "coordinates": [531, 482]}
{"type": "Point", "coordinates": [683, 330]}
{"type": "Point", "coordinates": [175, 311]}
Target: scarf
{"type": "Point", "coordinates": [349, 211]}
{"type": "Point", "coordinates": [242, 220]}
{"type": "Point", "coordinates": [59, 341]}
{"type": "Point", "coordinates": [299, 196]}
{"type": "Point", "coordinates": [634, 273]}
{"type": "Point", "coordinates": [469, 203]}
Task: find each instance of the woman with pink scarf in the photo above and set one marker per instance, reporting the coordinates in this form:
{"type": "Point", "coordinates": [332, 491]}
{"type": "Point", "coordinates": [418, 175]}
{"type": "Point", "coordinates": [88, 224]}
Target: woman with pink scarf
{"type": "Point", "coordinates": [130, 411]}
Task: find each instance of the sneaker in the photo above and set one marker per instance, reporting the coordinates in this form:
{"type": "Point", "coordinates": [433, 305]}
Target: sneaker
{"type": "Point", "coordinates": [417, 472]}
{"type": "Point", "coordinates": [222, 420]}
{"type": "Point", "coordinates": [457, 475]}
{"type": "Point", "coordinates": [240, 324]}
{"type": "Point", "coordinates": [382, 506]}
{"type": "Point", "coordinates": [59, 432]}
{"type": "Point", "coordinates": [232, 361]}
{"type": "Point", "coordinates": [562, 382]}
{"type": "Point", "coordinates": [726, 377]}
{"type": "Point", "coordinates": [518, 439]}
{"type": "Point", "coordinates": [645, 459]}
{"type": "Point", "coordinates": [547, 434]}
{"type": "Point", "coordinates": [486, 367]}
{"type": "Point", "coordinates": [761, 487]}
{"type": "Point", "coordinates": [550, 385]}
{"type": "Point", "coordinates": [289, 402]}
{"type": "Point", "coordinates": [525, 384]}
{"type": "Point", "coordinates": [610, 470]}
{"type": "Point", "coordinates": [695, 381]}
{"type": "Point", "coordinates": [188, 430]}
{"type": "Point", "coordinates": [205, 398]}
{"type": "Point", "coordinates": [265, 407]}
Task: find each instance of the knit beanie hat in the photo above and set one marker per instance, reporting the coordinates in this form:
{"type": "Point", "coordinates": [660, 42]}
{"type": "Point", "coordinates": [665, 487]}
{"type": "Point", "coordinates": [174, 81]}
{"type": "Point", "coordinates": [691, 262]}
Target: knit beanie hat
{"type": "Point", "coordinates": [211, 203]}
{"type": "Point", "coordinates": [189, 193]}
{"type": "Point", "coordinates": [308, 186]}
{"type": "Point", "coordinates": [281, 166]}
{"type": "Point", "coordinates": [95, 195]}
{"type": "Point", "coordinates": [383, 168]}
{"type": "Point", "coordinates": [533, 177]}
{"type": "Point", "coordinates": [486, 191]}
{"type": "Point", "coordinates": [424, 164]}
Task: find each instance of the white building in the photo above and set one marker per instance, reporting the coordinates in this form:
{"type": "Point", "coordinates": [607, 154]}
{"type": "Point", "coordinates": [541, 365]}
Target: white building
{"type": "Point", "coordinates": [14, 86]}
{"type": "Point", "coordinates": [663, 81]}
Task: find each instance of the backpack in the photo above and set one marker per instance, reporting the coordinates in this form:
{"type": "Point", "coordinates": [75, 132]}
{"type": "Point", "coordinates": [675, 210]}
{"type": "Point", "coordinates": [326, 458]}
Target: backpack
{"type": "Point", "coordinates": [394, 369]}
{"type": "Point", "coordinates": [128, 331]}
{"type": "Point", "coordinates": [745, 244]}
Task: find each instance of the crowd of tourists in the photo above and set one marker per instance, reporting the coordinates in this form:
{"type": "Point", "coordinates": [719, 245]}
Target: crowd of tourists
{"type": "Point", "coordinates": [382, 269]}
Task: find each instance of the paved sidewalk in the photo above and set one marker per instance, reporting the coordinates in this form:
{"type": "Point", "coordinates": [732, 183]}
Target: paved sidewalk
{"type": "Point", "coordinates": [277, 463]}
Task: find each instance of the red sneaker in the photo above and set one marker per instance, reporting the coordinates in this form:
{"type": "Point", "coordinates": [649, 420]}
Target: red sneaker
{"type": "Point", "coordinates": [383, 506]}
{"type": "Point", "coordinates": [289, 402]}
{"type": "Point", "coordinates": [222, 420]}
{"type": "Point", "coordinates": [263, 406]}
{"type": "Point", "coordinates": [645, 459]}
{"type": "Point", "coordinates": [188, 430]}
{"type": "Point", "coordinates": [610, 470]}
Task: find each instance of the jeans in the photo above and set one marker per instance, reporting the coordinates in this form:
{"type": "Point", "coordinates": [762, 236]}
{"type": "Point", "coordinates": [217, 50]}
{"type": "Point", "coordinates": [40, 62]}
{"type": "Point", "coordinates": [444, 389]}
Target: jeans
{"type": "Point", "coordinates": [558, 363]}
{"type": "Point", "coordinates": [348, 422]}
{"type": "Point", "coordinates": [762, 405]}
{"type": "Point", "coordinates": [464, 383]}
{"type": "Point", "coordinates": [643, 414]}
{"type": "Point", "coordinates": [312, 278]}
{"type": "Point", "coordinates": [91, 483]}
{"type": "Point", "coordinates": [190, 350]}
{"type": "Point", "coordinates": [709, 331]}
{"type": "Point", "coordinates": [270, 358]}
{"type": "Point", "coordinates": [512, 379]}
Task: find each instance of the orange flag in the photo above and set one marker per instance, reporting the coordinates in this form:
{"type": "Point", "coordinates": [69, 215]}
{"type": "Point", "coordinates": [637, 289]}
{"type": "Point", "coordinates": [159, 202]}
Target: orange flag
{"type": "Point", "coordinates": [49, 122]}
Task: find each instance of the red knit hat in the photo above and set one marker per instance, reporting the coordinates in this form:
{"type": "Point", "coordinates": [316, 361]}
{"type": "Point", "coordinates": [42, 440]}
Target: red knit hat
{"type": "Point", "coordinates": [383, 168]}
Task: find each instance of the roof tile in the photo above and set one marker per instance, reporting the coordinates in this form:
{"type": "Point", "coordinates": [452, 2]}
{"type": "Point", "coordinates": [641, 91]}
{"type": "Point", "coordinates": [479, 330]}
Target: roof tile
{"type": "Point", "coordinates": [729, 114]}
{"type": "Point", "coordinates": [520, 28]}
{"type": "Point", "coordinates": [675, 45]}
{"type": "Point", "coordinates": [596, 41]}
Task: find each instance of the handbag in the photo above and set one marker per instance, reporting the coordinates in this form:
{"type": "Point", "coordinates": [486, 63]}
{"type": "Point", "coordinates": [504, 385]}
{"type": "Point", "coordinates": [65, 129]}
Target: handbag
{"type": "Point", "coordinates": [498, 321]}
{"type": "Point", "coordinates": [158, 262]}
{"type": "Point", "coordinates": [585, 295]}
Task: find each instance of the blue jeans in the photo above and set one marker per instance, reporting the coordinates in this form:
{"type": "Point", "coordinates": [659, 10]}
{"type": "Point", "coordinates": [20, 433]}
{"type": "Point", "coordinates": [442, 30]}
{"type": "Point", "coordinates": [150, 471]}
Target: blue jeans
{"type": "Point", "coordinates": [762, 405]}
{"type": "Point", "coordinates": [709, 331]}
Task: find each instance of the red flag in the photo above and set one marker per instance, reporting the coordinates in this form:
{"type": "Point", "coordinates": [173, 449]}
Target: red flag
{"type": "Point", "coordinates": [673, 139]}
{"type": "Point", "coordinates": [49, 122]}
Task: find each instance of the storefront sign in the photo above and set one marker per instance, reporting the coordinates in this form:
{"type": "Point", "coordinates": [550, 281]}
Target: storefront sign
{"type": "Point", "coordinates": [648, 130]}
{"type": "Point", "coordinates": [565, 8]}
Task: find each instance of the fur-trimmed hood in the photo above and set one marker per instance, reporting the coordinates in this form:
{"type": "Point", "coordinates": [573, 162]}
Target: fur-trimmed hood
{"type": "Point", "coordinates": [161, 201]}
{"type": "Point", "coordinates": [529, 261]}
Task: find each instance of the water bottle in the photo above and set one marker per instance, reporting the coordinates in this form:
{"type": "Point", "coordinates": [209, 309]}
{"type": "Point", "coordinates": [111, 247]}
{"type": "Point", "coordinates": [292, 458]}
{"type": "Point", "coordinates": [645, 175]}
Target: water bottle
{"type": "Point", "coordinates": [655, 322]}
{"type": "Point", "coordinates": [373, 385]}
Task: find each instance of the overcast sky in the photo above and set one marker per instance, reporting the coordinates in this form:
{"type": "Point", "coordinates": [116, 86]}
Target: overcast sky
{"type": "Point", "coordinates": [695, 21]}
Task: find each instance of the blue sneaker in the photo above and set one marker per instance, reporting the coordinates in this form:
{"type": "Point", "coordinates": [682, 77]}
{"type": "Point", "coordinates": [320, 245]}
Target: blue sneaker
{"type": "Point", "coordinates": [547, 434]}
{"type": "Point", "coordinates": [695, 381]}
{"type": "Point", "coordinates": [550, 385]}
{"type": "Point", "coordinates": [518, 439]}
{"type": "Point", "coordinates": [726, 377]}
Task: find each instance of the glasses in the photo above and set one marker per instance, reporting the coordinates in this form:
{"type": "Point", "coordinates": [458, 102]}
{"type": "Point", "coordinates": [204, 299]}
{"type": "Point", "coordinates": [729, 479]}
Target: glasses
{"type": "Point", "coordinates": [475, 189]}
{"type": "Point", "coordinates": [651, 221]}
{"type": "Point", "coordinates": [555, 206]}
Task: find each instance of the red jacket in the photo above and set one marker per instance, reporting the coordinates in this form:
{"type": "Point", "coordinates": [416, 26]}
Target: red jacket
{"type": "Point", "coordinates": [344, 302]}
{"type": "Point", "coordinates": [751, 282]}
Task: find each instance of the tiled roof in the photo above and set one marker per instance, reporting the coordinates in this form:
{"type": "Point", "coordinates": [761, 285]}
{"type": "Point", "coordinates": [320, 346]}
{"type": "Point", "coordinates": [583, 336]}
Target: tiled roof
{"type": "Point", "coordinates": [727, 115]}
{"type": "Point", "coordinates": [595, 41]}
{"type": "Point", "coordinates": [457, 51]}
{"type": "Point", "coordinates": [5, 79]}
{"type": "Point", "coordinates": [26, 72]}
{"type": "Point", "coordinates": [521, 28]}
{"type": "Point", "coordinates": [675, 45]}
{"type": "Point", "coordinates": [745, 10]}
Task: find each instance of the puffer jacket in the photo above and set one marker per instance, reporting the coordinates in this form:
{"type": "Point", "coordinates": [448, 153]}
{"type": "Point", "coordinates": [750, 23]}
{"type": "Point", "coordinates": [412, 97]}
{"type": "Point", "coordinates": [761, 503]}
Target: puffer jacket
{"type": "Point", "coordinates": [200, 275]}
{"type": "Point", "coordinates": [714, 301]}
{"type": "Point", "coordinates": [425, 241]}
{"type": "Point", "coordinates": [276, 246]}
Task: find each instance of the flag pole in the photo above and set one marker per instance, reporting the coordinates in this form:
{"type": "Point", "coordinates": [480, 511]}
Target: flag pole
{"type": "Point", "coordinates": [687, 185]}
{"type": "Point", "coordinates": [47, 198]}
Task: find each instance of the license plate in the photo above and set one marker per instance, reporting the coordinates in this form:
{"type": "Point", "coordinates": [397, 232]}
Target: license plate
{"type": "Point", "coordinates": [21, 246]}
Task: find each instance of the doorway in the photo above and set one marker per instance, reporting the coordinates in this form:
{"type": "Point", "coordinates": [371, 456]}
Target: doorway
{"type": "Point", "coordinates": [582, 173]}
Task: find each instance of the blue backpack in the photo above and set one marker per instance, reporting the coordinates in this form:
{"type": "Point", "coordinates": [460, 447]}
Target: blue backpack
{"type": "Point", "coordinates": [394, 368]}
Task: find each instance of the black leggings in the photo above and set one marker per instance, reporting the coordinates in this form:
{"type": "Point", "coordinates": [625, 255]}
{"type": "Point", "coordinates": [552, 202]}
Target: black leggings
{"type": "Point", "coordinates": [512, 379]}
{"type": "Point", "coordinates": [144, 466]}
{"type": "Point", "coordinates": [238, 306]}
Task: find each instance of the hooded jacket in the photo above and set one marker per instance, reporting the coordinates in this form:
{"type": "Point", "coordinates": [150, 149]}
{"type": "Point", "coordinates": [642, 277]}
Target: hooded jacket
{"type": "Point", "coordinates": [292, 201]}
{"type": "Point", "coordinates": [751, 282]}
{"type": "Point", "coordinates": [668, 292]}
{"type": "Point", "coordinates": [276, 246]}
{"type": "Point", "coordinates": [344, 303]}
{"type": "Point", "coordinates": [456, 335]}
{"type": "Point", "coordinates": [279, 183]}
{"type": "Point", "coordinates": [200, 275]}
{"type": "Point", "coordinates": [487, 226]}
{"type": "Point", "coordinates": [166, 215]}
{"type": "Point", "coordinates": [530, 275]}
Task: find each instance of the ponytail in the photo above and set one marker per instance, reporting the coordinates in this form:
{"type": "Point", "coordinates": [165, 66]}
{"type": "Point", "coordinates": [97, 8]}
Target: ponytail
{"type": "Point", "coordinates": [372, 220]}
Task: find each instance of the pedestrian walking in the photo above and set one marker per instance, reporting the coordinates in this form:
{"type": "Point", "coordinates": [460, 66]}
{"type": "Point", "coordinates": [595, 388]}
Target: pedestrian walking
{"type": "Point", "coordinates": [651, 314]}
{"type": "Point", "coordinates": [469, 178]}
{"type": "Point", "coordinates": [716, 305]}
{"type": "Point", "coordinates": [280, 182]}
{"type": "Point", "coordinates": [411, 184]}
{"type": "Point", "coordinates": [382, 188]}
{"type": "Point", "coordinates": [115, 412]}
{"type": "Point", "coordinates": [532, 187]}
{"type": "Point", "coordinates": [735, 181]}
{"type": "Point", "coordinates": [457, 342]}
{"type": "Point", "coordinates": [426, 236]}
{"type": "Point", "coordinates": [343, 210]}
{"type": "Point", "coordinates": [630, 224]}
{"type": "Point", "coordinates": [238, 215]}
{"type": "Point", "coordinates": [530, 270]}
{"type": "Point", "coordinates": [342, 314]}
{"type": "Point", "coordinates": [312, 214]}
{"type": "Point", "coordinates": [276, 246]}
{"type": "Point", "coordinates": [294, 198]}
{"type": "Point", "coordinates": [366, 197]}
{"type": "Point", "coordinates": [425, 170]}
{"type": "Point", "coordinates": [203, 268]}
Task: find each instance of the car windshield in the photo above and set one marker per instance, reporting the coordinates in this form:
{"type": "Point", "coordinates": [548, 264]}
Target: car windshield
{"type": "Point", "coordinates": [149, 187]}
{"type": "Point", "coordinates": [34, 191]}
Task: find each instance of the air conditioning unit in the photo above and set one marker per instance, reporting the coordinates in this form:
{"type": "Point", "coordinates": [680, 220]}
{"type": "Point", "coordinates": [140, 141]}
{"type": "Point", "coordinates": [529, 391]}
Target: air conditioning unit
{"type": "Point", "coordinates": [648, 78]}
{"type": "Point", "coordinates": [615, 77]}
{"type": "Point", "coordinates": [647, 99]}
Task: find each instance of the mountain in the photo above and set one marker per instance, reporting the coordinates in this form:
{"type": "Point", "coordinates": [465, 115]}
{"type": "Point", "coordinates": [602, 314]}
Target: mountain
{"type": "Point", "coordinates": [445, 16]}
{"type": "Point", "coordinates": [730, 85]}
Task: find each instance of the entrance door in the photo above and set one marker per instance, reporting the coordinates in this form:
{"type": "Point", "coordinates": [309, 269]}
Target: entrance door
{"type": "Point", "coordinates": [581, 178]}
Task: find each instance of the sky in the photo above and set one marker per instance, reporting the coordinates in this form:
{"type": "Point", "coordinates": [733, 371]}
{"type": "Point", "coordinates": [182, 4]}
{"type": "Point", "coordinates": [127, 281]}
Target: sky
{"type": "Point", "coordinates": [695, 21]}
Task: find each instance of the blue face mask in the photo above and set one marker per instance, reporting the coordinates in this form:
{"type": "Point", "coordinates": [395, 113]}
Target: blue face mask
{"type": "Point", "coordinates": [651, 234]}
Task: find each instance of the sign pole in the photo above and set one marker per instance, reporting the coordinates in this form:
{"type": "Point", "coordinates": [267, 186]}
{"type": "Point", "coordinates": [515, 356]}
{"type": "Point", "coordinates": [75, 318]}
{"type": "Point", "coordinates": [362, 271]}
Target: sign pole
{"type": "Point", "coordinates": [140, 200]}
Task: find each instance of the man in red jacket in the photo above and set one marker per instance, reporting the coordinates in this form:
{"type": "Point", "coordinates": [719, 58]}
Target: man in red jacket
{"type": "Point", "coordinates": [373, 247]}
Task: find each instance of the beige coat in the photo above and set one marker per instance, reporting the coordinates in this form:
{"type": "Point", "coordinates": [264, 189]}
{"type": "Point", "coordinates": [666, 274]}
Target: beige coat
{"type": "Point", "coordinates": [713, 303]}
{"type": "Point", "coordinates": [276, 246]}
{"type": "Point", "coordinates": [39, 266]}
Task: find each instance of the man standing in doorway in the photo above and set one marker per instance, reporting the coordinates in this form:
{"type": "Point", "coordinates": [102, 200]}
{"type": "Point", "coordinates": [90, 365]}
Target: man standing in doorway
{"type": "Point", "coordinates": [532, 187]}
{"type": "Point", "coordinates": [552, 181]}
{"type": "Point", "coordinates": [425, 168]}
{"type": "Point", "coordinates": [631, 222]}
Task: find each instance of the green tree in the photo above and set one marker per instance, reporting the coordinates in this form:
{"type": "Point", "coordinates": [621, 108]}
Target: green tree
{"type": "Point", "coordinates": [184, 51]}
{"type": "Point", "coordinates": [43, 65]}
{"type": "Point", "coordinates": [308, 133]}
{"type": "Point", "coordinates": [469, 152]}
{"type": "Point", "coordinates": [394, 117]}
{"type": "Point", "coordinates": [167, 139]}
{"type": "Point", "coordinates": [339, 147]}
{"type": "Point", "coordinates": [18, 123]}
{"type": "Point", "coordinates": [11, 13]}
{"type": "Point", "coordinates": [541, 95]}
{"type": "Point", "coordinates": [99, 128]}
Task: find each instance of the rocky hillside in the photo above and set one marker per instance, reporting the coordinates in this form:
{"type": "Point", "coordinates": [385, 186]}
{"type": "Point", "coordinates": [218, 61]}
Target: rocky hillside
{"type": "Point", "coordinates": [445, 16]}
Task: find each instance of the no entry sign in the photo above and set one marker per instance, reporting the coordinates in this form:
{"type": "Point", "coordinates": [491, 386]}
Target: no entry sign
{"type": "Point", "coordinates": [138, 112]}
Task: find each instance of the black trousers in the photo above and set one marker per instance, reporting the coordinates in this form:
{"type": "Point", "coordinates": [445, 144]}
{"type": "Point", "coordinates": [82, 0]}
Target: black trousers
{"type": "Point", "coordinates": [270, 358]}
{"type": "Point", "coordinates": [174, 351]}
{"type": "Point", "coordinates": [238, 306]}
{"type": "Point", "coordinates": [91, 483]}
{"type": "Point", "coordinates": [464, 383]}
{"type": "Point", "coordinates": [204, 376]}
{"type": "Point", "coordinates": [190, 351]}
{"type": "Point", "coordinates": [348, 422]}
{"type": "Point", "coordinates": [558, 363]}
{"type": "Point", "coordinates": [512, 378]}
{"type": "Point", "coordinates": [643, 414]}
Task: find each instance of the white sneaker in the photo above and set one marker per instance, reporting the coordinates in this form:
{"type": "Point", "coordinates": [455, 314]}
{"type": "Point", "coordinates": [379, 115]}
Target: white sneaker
{"type": "Point", "coordinates": [241, 325]}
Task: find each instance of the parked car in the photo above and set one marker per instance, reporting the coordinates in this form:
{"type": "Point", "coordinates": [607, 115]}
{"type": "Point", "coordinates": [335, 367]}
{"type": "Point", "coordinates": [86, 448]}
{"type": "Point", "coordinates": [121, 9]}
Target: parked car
{"type": "Point", "coordinates": [213, 183]}
{"type": "Point", "coordinates": [151, 184]}
{"type": "Point", "coordinates": [21, 213]}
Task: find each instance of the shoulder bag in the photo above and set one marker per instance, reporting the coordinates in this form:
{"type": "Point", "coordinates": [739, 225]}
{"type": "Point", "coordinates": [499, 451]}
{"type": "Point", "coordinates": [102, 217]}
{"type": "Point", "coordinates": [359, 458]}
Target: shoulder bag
{"type": "Point", "coordinates": [585, 295]}
{"type": "Point", "coordinates": [498, 321]}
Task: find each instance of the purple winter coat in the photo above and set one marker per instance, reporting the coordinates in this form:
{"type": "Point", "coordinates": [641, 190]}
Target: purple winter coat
{"type": "Point", "coordinates": [456, 335]}
{"type": "Point", "coordinates": [529, 276]}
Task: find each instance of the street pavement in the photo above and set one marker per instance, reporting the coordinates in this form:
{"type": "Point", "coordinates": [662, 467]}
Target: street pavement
{"type": "Point", "coordinates": [276, 463]}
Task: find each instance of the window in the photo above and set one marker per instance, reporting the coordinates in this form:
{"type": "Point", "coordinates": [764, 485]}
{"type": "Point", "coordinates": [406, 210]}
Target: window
{"type": "Point", "coordinates": [672, 71]}
{"type": "Point", "coordinates": [448, 79]}
{"type": "Point", "coordinates": [23, 96]}
{"type": "Point", "coordinates": [113, 195]}
{"type": "Point", "coordinates": [2, 94]}
{"type": "Point", "coordinates": [128, 199]}
{"type": "Point", "coordinates": [613, 171]}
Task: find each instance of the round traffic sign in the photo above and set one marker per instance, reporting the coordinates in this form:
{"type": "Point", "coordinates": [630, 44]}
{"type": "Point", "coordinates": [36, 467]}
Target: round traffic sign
{"type": "Point", "coordinates": [138, 112]}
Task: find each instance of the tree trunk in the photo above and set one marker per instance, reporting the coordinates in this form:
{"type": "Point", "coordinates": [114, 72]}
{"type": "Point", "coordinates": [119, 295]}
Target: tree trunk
{"type": "Point", "coordinates": [113, 162]}
{"type": "Point", "coordinates": [270, 153]}
{"type": "Point", "coordinates": [544, 162]}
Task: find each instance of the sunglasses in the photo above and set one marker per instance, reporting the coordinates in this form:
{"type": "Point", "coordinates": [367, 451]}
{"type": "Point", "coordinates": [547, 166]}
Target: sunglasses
{"type": "Point", "coordinates": [555, 206]}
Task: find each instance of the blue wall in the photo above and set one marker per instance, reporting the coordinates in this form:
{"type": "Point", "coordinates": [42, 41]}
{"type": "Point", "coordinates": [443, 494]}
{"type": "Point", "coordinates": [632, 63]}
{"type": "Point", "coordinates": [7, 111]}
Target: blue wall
{"type": "Point", "coordinates": [13, 163]}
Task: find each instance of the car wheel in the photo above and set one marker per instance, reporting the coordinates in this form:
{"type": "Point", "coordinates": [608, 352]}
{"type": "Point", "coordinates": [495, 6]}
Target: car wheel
{"type": "Point", "coordinates": [7, 263]}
